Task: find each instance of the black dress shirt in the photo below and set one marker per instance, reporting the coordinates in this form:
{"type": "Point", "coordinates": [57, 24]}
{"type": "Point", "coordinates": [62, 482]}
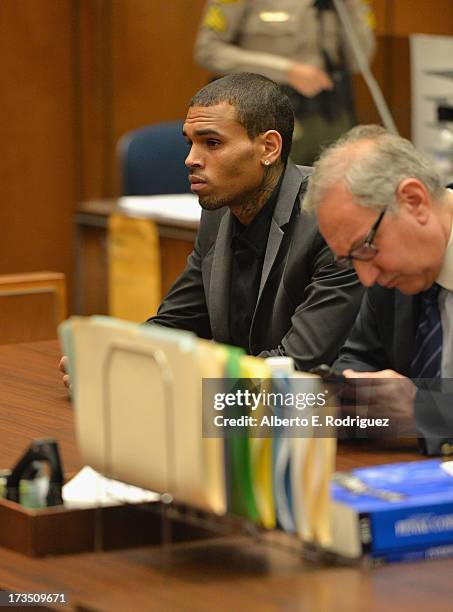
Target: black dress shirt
{"type": "Point", "coordinates": [248, 248]}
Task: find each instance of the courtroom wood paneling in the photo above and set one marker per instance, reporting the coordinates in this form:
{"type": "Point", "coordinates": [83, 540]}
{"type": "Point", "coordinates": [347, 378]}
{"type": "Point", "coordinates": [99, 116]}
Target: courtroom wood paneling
{"type": "Point", "coordinates": [77, 74]}
{"type": "Point", "coordinates": [422, 17]}
{"type": "Point", "coordinates": [36, 136]}
{"type": "Point", "coordinates": [398, 83]}
{"type": "Point", "coordinates": [174, 254]}
{"type": "Point", "coordinates": [94, 97]}
{"type": "Point", "coordinates": [395, 21]}
{"type": "Point", "coordinates": [391, 68]}
{"type": "Point", "coordinates": [94, 285]}
{"type": "Point", "coordinates": [134, 60]}
{"type": "Point", "coordinates": [154, 74]}
{"type": "Point", "coordinates": [94, 273]}
{"type": "Point", "coordinates": [39, 294]}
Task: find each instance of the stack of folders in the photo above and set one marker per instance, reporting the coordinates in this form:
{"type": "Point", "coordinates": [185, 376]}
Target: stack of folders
{"type": "Point", "coordinates": [138, 409]}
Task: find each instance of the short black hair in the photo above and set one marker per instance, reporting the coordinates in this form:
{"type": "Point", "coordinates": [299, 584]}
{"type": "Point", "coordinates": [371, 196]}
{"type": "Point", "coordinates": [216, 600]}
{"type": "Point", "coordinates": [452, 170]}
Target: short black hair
{"type": "Point", "coordinates": [260, 104]}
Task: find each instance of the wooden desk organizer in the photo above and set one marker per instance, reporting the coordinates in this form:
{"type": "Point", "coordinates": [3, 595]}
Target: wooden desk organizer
{"type": "Point", "coordinates": [58, 530]}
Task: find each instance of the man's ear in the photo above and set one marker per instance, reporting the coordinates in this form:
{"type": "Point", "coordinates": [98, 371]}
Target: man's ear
{"type": "Point", "coordinates": [413, 196]}
{"type": "Point", "coordinates": [272, 144]}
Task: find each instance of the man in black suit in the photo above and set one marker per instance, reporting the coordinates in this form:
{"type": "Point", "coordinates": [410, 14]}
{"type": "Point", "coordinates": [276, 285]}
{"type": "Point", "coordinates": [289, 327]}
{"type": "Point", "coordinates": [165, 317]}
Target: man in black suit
{"type": "Point", "coordinates": [382, 209]}
{"type": "Point", "coordinates": [260, 275]}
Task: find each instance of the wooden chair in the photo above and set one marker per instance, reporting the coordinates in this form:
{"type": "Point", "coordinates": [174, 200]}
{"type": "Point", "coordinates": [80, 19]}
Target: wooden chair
{"type": "Point", "coordinates": [31, 306]}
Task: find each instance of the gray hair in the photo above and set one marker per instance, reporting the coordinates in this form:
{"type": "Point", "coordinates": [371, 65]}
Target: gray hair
{"type": "Point", "coordinates": [370, 173]}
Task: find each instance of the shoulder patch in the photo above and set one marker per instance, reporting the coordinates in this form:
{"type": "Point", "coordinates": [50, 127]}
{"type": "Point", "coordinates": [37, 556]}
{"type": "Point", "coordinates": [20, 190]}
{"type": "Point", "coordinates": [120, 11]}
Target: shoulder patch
{"type": "Point", "coordinates": [369, 15]}
{"type": "Point", "coordinates": [215, 19]}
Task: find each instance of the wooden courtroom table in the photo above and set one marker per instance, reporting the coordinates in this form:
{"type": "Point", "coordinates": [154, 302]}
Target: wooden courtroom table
{"type": "Point", "coordinates": [176, 240]}
{"type": "Point", "coordinates": [233, 573]}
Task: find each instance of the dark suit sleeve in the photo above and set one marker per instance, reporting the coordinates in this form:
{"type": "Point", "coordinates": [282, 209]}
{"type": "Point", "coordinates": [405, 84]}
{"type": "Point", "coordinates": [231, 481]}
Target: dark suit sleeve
{"type": "Point", "coordinates": [184, 307]}
{"type": "Point", "coordinates": [326, 313]}
{"type": "Point", "coordinates": [364, 350]}
{"type": "Point", "coordinates": [367, 350]}
{"type": "Point", "coordinates": [433, 411]}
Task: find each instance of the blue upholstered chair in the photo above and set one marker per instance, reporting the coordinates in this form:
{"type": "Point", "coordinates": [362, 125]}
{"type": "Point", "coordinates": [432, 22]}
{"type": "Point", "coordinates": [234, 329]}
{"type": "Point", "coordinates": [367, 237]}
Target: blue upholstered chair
{"type": "Point", "coordinates": [152, 160]}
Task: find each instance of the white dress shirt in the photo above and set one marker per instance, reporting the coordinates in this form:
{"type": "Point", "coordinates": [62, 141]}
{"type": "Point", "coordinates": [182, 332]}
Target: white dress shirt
{"type": "Point", "coordinates": [445, 280]}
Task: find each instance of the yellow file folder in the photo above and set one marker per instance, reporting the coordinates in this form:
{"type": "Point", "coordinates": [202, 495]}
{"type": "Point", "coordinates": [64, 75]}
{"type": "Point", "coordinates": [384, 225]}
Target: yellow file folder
{"type": "Point", "coordinates": [134, 268]}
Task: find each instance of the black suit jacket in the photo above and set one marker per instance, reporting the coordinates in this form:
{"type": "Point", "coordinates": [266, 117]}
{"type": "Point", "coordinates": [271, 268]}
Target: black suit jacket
{"type": "Point", "coordinates": [383, 337]}
{"type": "Point", "coordinates": [384, 333]}
{"type": "Point", "coordinates": [306, 305]}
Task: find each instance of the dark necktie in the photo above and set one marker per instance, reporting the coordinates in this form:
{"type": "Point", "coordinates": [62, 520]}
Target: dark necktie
{"type": "Point", "coordinates": [427, 359]}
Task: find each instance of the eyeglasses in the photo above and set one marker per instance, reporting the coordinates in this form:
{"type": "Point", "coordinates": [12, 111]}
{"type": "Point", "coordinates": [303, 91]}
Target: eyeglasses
{"type": "Point", "coordinates": [366, 251]}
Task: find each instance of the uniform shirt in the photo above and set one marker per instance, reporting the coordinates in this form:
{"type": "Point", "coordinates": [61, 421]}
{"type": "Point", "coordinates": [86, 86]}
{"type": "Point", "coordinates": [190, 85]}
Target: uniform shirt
{"type": "Point", "coordinates": [248, 248]}
{"type": "Point", "coordinates": [267, 37]}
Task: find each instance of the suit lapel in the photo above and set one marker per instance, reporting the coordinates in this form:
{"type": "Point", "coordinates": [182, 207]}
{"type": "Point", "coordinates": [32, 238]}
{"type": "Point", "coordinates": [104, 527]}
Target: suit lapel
{"type": "Point", "coordinates": [219, 289]}
{"type": "Point", "coordinates": [220, 278]}
{"type": "Point", "coordinates": [288, 193]}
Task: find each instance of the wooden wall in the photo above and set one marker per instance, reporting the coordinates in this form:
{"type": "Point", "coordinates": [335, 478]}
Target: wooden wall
{"type": "Point", "coordinates": [395, 21]}
{"type": "Point", "coordinates": [37, 174]}
{"type": "Point", "coordinates": [77, 74]}
{"type": "Point", "coordinates": [136, 67]}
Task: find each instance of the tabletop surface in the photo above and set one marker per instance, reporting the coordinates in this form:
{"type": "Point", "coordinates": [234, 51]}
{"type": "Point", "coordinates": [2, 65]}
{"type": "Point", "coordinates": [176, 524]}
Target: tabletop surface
{"type": "Point", "coordinates": [236, 573]}
{"type": "Point", "coordinates": [106, 207]}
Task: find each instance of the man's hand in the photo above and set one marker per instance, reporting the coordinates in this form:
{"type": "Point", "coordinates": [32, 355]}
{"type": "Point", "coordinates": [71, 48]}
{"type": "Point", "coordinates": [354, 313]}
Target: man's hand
{"type": "Point", "coordinates": [308, 80]}
{"type": "Point", "coordinates": [64, 362]}
{"type": "Point", "coordinates": [385, 394]}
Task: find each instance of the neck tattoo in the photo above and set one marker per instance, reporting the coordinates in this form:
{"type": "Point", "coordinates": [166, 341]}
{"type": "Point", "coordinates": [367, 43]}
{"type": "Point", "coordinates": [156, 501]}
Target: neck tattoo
{"type": "Point", "coordinates": [245, 213]}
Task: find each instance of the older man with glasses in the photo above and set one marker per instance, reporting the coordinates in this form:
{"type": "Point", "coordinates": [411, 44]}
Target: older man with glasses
{"type": "Point", "coordinates": [382, 209]}
{"type": "Point", "coordinates": [365, 251]}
